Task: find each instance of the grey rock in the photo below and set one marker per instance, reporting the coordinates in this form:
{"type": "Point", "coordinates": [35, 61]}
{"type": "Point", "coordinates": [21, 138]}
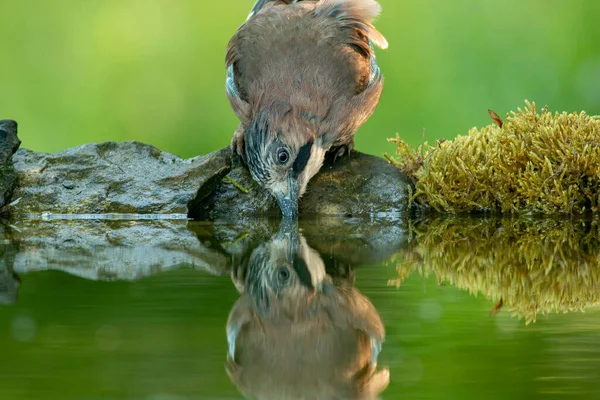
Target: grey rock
{"type": "Point", "coordinates": [114, 177]}
{"type": "Point", "coordinates": [351, 186]}
{"type": "Point", "coordinates": [9, 143]}
{"type": "Point", "coordinates": [135, 178]}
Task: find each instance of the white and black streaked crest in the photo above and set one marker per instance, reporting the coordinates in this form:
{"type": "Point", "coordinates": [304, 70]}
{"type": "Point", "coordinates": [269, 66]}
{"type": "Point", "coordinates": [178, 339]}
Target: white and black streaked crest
{"type": "Point", "coordinates": [261, 147]}
{"type": "Point", "coordinates": [257, 144]}
{"type": "Point", "coordinates": [256, 285]}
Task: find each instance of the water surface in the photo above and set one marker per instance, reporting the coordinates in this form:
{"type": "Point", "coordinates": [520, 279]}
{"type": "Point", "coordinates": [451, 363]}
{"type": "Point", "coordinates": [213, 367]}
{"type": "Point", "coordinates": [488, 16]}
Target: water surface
{"type": "Point", "coordinates": [472, 308]}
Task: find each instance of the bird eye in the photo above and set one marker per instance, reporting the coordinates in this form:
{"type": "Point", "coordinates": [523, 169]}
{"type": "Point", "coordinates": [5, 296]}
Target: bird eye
{"type": "Point", "coordinates": [283, 156]}
{"type": "Point", "coordinates": [283, 275]}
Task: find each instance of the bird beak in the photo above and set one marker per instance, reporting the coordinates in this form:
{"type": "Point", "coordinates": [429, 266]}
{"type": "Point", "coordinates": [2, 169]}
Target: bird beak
{"type": "Point", "coordinates": [288, 198]}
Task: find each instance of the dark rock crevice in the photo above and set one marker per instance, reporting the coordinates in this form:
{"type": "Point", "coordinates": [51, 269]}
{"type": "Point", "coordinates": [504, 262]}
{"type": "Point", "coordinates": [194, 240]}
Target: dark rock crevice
{"type": "Point", "coordinates": [9, 143]}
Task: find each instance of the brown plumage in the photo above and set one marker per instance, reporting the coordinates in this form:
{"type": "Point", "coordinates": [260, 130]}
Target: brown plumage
{"type": "Point", "coordinates": [302, 78]}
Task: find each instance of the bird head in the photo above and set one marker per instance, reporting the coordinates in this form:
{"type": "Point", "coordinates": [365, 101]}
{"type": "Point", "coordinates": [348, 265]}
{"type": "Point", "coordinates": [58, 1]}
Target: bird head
{"type": "Point", "coordinates": [285, 273]}
{"type": "Point", "coordinates": [283, 157]}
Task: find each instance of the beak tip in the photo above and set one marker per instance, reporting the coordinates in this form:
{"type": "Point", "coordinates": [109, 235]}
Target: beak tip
{"type": "Point", "coordinates": [289, 214]}
{"type": "Point", "coordinates": [288, 206]}
{"type": "Point", "coordinates": [288, 199]}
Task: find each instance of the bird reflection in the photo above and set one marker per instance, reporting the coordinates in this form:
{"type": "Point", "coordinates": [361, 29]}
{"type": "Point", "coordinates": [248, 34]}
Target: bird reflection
{"type": "Point", "coordinates": [298, 333]}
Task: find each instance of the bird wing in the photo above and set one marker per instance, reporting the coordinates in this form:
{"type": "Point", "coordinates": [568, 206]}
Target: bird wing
{"type": "Point", "coordinates": [306, 55]}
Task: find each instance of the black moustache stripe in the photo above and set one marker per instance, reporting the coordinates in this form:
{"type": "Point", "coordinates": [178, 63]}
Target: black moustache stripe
{"type": "Point", "coordinates": [302, 158]}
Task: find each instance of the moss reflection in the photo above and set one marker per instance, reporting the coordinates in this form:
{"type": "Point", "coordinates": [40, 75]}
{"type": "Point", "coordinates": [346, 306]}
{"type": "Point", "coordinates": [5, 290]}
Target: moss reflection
{"type": "Point", "coordinates": [528, 266]}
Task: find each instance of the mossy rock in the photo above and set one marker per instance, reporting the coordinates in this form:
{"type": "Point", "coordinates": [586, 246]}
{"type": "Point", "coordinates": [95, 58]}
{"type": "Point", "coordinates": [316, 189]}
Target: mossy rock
{"type": "Point", "coordinates": [532, 163]}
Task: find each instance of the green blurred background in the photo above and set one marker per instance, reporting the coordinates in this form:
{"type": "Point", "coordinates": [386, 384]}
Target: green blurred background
{"type": "Point", "coordinates": [77, 71]}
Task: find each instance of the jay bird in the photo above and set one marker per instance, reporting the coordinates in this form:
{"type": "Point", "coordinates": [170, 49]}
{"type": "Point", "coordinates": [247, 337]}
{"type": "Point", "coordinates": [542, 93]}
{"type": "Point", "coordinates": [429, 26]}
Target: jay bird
{"type": "Point", "coordinates": [302, 78]}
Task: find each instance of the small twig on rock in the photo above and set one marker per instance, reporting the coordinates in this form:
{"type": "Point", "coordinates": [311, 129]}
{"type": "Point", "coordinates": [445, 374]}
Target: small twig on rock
{"type": "Point", "coordinates": [237, 185]}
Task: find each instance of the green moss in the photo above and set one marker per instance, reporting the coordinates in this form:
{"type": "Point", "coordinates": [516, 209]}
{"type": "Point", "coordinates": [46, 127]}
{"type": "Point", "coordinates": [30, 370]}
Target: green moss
{"type": "Point", "coordinates": [534, 162]}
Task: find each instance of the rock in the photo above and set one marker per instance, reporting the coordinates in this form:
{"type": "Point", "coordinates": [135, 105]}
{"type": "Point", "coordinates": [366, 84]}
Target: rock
{"type": "Point", "coordinates": [357, 185]}
{"type": "Point", "coordinates": [135, 178]}
{"type": "Point", "coordinates": [9, 143]}
{"type": "Point", "coordinates": [111, 177]}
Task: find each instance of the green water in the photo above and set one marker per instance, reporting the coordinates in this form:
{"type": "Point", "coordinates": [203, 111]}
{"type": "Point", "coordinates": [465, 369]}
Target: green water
{"type": "Point", "coordinates": [161, 333]}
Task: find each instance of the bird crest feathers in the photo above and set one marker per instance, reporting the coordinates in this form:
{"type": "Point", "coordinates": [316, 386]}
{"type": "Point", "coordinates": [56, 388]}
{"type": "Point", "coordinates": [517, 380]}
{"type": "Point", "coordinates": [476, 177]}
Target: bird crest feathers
{"type": "Point", "coordinates": [354, 15]}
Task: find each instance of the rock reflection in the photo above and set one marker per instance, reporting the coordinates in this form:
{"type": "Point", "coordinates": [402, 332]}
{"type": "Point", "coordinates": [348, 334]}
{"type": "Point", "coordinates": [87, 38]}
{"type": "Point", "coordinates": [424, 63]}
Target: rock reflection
{"type": "Point", "coordinates": [528, 266]}
{"type": "Point", "coordinates": [130, 250]}
{"type": "Point", "coordinates": [9, 280]}
{"type": "Point", "coordinates": [297, 332]}
{"type": "Point", "coordinates": [105, 250]}
{"type": "Point", "coordinates": [9, 286]}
